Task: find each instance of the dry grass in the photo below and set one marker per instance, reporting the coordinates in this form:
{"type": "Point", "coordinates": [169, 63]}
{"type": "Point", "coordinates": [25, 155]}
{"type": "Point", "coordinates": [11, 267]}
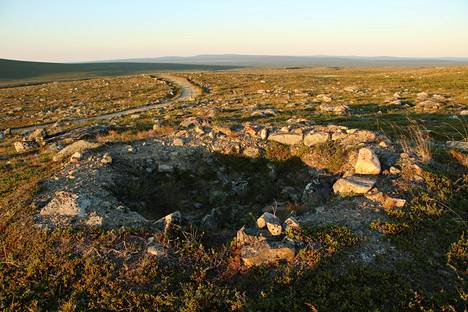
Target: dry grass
{"type": "Point", "coordinates": [415, 140]}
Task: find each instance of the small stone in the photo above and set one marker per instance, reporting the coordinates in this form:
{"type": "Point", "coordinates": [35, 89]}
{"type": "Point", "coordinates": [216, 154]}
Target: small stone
{"type": "Point", "coordinates": [37, 135]}
{"type": "Point", "coordinates": [367, 162]}
{"type": "Point", "coordinates": [264, 134]}
{"type": "Point", "coordinates": [252, 152]}
{"type": "Point", "coordinates": [272, 223]}
{"type": "Point", "coordinates": [76, 157]}
{"type": "Point", "coordinates": [291, 224]}
{"type": "Point", "coordinates": [24, 146]}
{"type": "Point", "coordinates": [166, 222]}
{"type": "Point", "coordinates": [178, 142]}
{"type": "Point", "coordinates": [165, 168]}
{"type": "Point", "coordinates": [156, 250]}
{"type": "Point", "coordinates": [394, 170]}
{"type": "Point", "coordinates": [106, 159]}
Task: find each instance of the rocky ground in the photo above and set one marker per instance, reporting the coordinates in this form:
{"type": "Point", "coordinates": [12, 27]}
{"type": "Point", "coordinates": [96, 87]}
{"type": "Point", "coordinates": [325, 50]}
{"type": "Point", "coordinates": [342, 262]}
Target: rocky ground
{"type": "Point", "coordinates": [262, 181]}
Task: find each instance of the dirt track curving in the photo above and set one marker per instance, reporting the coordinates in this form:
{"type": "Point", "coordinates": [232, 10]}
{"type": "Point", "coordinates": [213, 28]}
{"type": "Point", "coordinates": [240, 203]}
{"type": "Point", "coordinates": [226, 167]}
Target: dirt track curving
{"type": "Point", "coordinates": [186, 91]}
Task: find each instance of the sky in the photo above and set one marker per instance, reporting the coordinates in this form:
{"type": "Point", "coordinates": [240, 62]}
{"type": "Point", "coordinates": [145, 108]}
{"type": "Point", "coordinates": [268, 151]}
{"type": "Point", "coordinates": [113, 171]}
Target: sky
{"type": "Point", "coordinates": [80, 30]}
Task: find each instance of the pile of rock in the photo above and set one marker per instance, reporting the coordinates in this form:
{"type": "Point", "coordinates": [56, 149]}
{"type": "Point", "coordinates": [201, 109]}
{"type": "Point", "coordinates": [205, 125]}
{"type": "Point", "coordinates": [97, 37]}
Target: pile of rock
{"type": "Point", "coordinates": [429, 104]}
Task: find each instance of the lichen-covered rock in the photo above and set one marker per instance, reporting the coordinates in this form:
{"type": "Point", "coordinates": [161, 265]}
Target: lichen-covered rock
{"type": "Point", "coordinates": [67, 204]}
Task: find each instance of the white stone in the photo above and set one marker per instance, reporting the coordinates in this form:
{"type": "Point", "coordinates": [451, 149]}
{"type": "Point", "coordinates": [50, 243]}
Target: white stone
{"type": "Point", "coordinates": [367, 162]}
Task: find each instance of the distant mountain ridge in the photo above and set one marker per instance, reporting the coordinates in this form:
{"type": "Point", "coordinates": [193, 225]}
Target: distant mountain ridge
{"type": "Point", "coordinates": [11, 70]}
{"type": "Point", "coordinates": [288, 61]}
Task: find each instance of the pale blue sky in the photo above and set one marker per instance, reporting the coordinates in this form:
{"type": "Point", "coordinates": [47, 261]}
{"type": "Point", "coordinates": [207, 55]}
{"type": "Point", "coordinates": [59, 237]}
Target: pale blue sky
{"type": "Point", "coordinates": [73, 30]}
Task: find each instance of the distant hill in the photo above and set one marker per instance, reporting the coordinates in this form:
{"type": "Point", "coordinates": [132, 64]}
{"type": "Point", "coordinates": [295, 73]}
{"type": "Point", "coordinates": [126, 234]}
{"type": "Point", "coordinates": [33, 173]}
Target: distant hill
{"type": "Point", "coordinates": [289, 61]}
{"type": "Point", "coordinates": [11, 70]}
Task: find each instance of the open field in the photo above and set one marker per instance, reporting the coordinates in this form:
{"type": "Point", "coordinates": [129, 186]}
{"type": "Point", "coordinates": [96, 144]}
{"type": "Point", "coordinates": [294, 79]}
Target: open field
{"type": "Point", "coordinates": [51, 102]}
{"type": "Point", "coordinates": [312, 189]}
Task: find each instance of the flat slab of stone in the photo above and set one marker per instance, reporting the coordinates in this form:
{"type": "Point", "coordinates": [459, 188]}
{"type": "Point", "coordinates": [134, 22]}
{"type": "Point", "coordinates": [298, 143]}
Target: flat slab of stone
{"type": "Point", "coordinates": [354, 185]}
{"type": "Point", "coordinates": [286, 138]}
{"type": "Point", "coordinates": [267, 252]}
{"type": "Point", "coordinates": [311, 139]}
{"type": "Point", "coordinates": [66, 204]}
{"type": "Point", "coordinates": [78, 146]}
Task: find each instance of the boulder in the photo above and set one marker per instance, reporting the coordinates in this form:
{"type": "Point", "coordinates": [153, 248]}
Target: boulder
{"type": "Point", "coordinates": [272, 223]}
{"type": "Point", "coordinates": [78, 146]}
{"type": "Point", "coordinates": [367, 162]}
{"type": "Point", "coordinates": [354, 185]}
{"type": "Point", "coordinates": [286, 138]}
{"type": "Point", "coordinates": [311, 139]}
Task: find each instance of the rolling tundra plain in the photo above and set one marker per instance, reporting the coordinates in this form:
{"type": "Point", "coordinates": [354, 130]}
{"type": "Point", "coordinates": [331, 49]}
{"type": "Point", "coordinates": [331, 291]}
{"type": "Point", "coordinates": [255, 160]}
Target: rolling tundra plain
{"type": "Point", "coordinates": [284, 189]}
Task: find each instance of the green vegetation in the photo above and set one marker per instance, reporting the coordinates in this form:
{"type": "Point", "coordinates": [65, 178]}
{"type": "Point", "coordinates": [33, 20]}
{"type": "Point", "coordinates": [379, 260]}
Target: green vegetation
{"type": "Point", "coordinates": [76, 269]}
